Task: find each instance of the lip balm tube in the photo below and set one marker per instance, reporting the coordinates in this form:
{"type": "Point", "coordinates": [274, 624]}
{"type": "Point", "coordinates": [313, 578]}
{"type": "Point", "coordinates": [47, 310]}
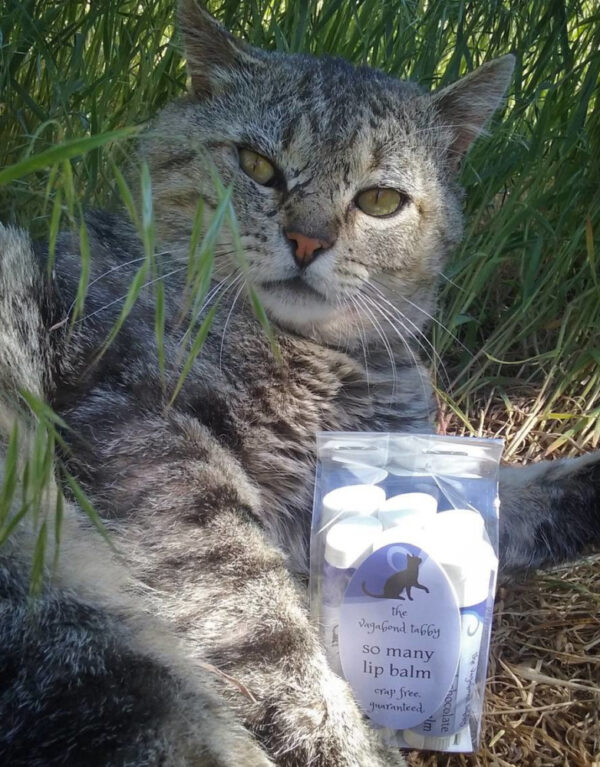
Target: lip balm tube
{"type": "Point", "coordinates": [406, 519]}
{"type": "Point", "coordinates": [420, 507]}
{"type": "Point", "coordinates": [350, 500]}
{"type": "Point", "coordinates": [453, 715]}
{"type": "Point", "coordinates": [459, 545]}
{"type": "Point", "coordinates": [347, 544]}
{"type": "Point", "coordinates": [461, 522]}
{"type": "Point", "coordinates": [409, 531]}
{"type": "Point", "coordinates": [463, 740]}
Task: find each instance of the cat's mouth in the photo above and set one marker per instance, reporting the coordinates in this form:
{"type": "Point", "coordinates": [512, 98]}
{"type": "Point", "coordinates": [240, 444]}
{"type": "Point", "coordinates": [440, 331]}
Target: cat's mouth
{"type": "Point", "coordinates": [296, 285]}
{"type": "Point", "coordinates": [295, 304]}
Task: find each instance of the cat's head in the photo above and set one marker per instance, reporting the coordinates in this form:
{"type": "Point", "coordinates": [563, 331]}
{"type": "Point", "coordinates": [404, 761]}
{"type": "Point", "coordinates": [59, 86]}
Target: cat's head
{"type": "Point", "coordinates": [412, 560]}
{"type": "Point", "coordinates": [343, 177]}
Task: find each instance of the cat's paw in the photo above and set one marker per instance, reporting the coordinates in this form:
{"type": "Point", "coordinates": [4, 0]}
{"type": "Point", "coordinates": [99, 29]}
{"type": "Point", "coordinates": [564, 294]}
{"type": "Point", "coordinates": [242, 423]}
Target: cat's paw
{"type": "Point", "coordinates": [386, 756]}
{"type": "Point", "coordinates": [344, 737]}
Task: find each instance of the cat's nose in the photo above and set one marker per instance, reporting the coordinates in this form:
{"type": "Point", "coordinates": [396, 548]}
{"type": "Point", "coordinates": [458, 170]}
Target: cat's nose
{"type": "Point", "coordinates": [306, 248]}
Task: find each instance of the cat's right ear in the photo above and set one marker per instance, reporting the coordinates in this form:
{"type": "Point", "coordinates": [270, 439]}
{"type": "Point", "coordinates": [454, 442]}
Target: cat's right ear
{"type": "Point", "coordinates": [214, 56]}
{"type": "Point", "coordinates": [466, 106]}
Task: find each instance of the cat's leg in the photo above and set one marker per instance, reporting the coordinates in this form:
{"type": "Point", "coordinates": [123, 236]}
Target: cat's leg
{"type": "Point", "coordinates": [197, 541]}
{"type": "Point", "coordinates": [408, 594]}
{"type": "Point", "coordinates": [420, 586]}
{"type": "Point", "coordinates": [245, 615]}
{"type": "Point", "coordinates": [549, 511]}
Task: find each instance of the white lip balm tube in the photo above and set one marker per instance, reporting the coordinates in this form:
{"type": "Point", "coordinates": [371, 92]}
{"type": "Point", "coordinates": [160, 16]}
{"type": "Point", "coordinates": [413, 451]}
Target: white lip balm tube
{"type": "Point", "coordinates": [461, 546]}
{"type": "Point", "coordinates": [347, 544]}
{"type": "Point", "coordinates": [350, 500]}
{"type": "Point", "coordinates": [405, 519]}
{"type": "Point", "coordinates": [453, 716]}
{"type": "Point", "coordinates": [419, 508]}
{"type": "Point", "coordinates": [458, 542]}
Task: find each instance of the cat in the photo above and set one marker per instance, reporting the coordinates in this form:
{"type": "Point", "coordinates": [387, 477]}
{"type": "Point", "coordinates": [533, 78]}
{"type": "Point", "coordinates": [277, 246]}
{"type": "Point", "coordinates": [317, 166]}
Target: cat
{"type": "Point", "coordinates": [189, 643]}
{"type": "Point", "coordinates": [406, 579]}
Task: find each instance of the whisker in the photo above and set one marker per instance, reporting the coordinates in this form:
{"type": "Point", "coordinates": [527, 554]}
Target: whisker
{"type": "Point", "coordinates": [389, 318]}
{"type": "Point", "coordinates": [124, 296]}
{"type": "Point", "coordinates": [363, 338]}
{"type": "Point", "coordinates": [394, 310]}
{"type": "Point", "coordinates": [358, 297]}
{"type": "Point", "coordinates": [233, 303]}
{"type": "Point", "coordinates": [417, 366]}
{"type": "Point", "coordinates": [212, 294]}
{"type": "Point", "coordinates": [341, 304]}
{"type": "Point", "coordinates": [429, 316]}
{"type": "Point", "coordinates": [101, 277]}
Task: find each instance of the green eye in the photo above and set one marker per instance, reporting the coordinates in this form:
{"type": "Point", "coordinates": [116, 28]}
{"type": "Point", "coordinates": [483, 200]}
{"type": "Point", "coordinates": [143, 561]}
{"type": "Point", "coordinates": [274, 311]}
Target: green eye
{"type": "Point", "coordinates": [256, 166]}
{"type": "Point", "coordinates": [379, 201]}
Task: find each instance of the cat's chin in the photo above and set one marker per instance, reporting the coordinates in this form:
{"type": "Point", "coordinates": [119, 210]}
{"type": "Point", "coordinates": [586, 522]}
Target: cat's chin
{"type": "Point", "coordinates": [296, 306]}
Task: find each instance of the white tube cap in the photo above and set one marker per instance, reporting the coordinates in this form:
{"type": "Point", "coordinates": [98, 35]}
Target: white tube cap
{"type": "Point", "coordinates": [350, 500]}
{"type": "Point", "coordinates": [411, 530]}
{"type": "Point", "coordinates": [432, 742]}
{"type": "Point", "coordinates": [462, 524]}
{"type": "Point", "coordinates": [469, 568]}
{"type": "Point", "coordinates": [350, 541]}
{"type": "Point", "coordinates": [462, 740]}
{"type": "Point", "coordinates": [401, 507]}
{"type": "Point", "coordinates": [460, 545]}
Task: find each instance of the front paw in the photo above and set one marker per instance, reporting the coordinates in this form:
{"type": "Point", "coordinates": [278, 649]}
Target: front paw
{"type": "Point", "coordinates": [344, 737]}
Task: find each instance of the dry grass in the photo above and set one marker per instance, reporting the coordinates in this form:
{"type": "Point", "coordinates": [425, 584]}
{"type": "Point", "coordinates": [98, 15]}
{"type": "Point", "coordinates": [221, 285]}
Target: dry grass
{"type": "Point", "coordinates": [543, 698]}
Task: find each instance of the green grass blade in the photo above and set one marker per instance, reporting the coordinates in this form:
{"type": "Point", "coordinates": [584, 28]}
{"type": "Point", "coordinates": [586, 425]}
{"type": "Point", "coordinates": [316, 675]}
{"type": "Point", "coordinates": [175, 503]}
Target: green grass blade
{"type": "Point", "coordinates": [196, 346]}
{"type": "Point", "coordinates": [37, 565]}
{"type": "Point", "coordinates": [62, 152]}
{"type": "Point", "coordinates": [86, 506]}
{"type": "Point", "coordinates": [11, 475]}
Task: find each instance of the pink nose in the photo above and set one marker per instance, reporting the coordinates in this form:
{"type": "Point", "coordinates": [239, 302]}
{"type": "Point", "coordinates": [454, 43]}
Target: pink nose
{"type": "Point", "coordinates": [306, 247]}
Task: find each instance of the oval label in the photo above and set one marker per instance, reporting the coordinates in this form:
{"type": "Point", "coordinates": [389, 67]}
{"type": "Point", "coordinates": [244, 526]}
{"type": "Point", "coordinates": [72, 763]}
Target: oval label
{"type": "Point", "coordinates": [399, 635]}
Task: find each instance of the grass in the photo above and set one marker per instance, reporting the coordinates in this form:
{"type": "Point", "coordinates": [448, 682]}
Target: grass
{"type": "Point", "coordinates": [523, 293]}
{"type": "Point", "coordinates": [520, 303]}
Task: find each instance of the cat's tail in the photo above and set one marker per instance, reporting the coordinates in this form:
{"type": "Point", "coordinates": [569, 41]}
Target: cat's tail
{"type": "Point", "coordinates": [370, 593]}
{"type": "Point", "coordinates": [549, 512]}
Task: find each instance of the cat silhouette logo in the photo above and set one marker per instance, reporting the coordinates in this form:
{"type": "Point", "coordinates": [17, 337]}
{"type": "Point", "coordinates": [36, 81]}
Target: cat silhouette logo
{"type": "Point", "coordinates": [402, 580]}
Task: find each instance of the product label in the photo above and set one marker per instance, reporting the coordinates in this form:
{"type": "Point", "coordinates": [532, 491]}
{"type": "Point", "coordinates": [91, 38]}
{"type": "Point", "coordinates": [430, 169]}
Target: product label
{"type": "Point", "coordinates": [399, 635]}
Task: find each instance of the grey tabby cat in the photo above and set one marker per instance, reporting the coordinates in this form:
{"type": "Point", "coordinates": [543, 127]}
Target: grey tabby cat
{"type": "Point", "coordinates": [348, 206]}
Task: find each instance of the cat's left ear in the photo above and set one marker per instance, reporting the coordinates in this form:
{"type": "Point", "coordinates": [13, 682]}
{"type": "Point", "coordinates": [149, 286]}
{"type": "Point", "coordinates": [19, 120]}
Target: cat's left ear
{"type": "Point", "coordinates": [214, 56]}
{"type": "Point", "coordinates": [466, 106]}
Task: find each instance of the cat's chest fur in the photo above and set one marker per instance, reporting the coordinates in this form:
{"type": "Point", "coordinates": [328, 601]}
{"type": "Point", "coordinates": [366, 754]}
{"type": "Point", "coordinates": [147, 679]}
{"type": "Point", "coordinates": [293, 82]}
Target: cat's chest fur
{"type": "Point", "coordinates": [282, 405]}
{"type": "Point", "coordinates": [317, 388]}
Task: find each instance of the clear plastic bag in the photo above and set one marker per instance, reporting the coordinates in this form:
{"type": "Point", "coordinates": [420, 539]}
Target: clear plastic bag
{"type": "Point", "coordinates": [404, 558]}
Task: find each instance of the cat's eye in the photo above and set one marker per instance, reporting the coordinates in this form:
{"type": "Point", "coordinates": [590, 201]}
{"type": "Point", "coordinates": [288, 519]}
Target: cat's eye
{"type": "Point", "coordinates": [257, 167]}
{"type": "Point", "coordinates": [380, 201]}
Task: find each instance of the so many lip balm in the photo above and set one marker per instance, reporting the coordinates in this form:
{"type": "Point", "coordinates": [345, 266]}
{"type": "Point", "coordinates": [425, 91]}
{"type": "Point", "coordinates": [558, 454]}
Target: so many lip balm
{"type": "Point", "coordinates": [358, 520]}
